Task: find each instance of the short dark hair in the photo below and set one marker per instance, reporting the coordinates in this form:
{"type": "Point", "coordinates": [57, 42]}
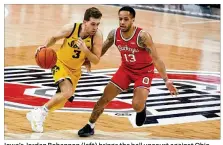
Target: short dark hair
{"type": "Point", "coordinates": [92, 12]}
{"type": "Point", "coordinates": [129, 9]}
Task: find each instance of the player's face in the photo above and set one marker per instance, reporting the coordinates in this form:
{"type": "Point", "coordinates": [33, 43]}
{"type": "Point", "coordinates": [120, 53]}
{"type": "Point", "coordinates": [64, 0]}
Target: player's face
{"type": "Point", "coordinates": [125, 21]}
{"type": "Point", "coordinates": [91, 26]}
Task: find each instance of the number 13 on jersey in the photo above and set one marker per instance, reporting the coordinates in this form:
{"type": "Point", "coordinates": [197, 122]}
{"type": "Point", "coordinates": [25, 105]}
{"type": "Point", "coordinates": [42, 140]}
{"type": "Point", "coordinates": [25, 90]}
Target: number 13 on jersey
{"type": "Point", "coordinates": [130, 57]}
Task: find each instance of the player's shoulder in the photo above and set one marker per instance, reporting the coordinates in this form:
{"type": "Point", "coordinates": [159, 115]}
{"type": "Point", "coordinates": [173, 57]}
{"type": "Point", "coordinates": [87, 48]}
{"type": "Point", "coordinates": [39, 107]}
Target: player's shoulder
{"type": "Point", "coordinates": [112, 32]}
{"type": "Point", "coordinates": [144, 34]}
{"type": "Point", "coordinates": [98, 33]}
{"type": "Point", "coordinates": [68, 27]}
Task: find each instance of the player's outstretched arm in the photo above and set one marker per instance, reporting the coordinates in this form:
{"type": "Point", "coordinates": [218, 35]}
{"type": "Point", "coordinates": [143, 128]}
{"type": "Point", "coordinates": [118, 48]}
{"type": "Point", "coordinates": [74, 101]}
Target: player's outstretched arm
{"type": "Point", "coordinates": [108, 42]}
{"type": "Point", "coordinates": [64, 32]}
{"type": "Point", "coordinates": [145, 40]}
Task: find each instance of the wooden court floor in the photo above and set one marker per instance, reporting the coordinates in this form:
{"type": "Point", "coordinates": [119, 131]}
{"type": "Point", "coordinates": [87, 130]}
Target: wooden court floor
{"type": "Point", "coordinates": [183, 42]}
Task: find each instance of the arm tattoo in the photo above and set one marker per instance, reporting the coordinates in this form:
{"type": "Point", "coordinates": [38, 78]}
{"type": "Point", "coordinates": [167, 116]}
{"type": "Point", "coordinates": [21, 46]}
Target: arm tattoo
{"type": "Point", "coordinates": [141, 42]}
{"type": "Point", "coordinates": [108, 42]}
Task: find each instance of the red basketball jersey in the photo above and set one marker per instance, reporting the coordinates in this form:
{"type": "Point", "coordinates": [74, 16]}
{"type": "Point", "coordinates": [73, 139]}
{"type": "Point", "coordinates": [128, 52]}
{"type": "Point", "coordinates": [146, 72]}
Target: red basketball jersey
{"type": "Point", "coordinates": [134, 58]}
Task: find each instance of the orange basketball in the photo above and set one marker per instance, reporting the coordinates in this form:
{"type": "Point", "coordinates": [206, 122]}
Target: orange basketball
{"type": "Point", "coordinates": [46, 58]}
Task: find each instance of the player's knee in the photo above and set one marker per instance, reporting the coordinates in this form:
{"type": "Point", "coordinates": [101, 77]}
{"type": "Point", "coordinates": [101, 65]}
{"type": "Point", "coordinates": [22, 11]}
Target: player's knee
{"type": "Point", "coordinates": [66, 88]}
{"type": "Point", "coordinates": [68, 92]}
{"type": "Point", "coordinates": [137, 105]}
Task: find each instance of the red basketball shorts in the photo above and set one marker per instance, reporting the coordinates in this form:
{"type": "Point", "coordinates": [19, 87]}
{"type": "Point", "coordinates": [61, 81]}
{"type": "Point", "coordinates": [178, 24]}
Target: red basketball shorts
{"type": "Point", "coordinates": [123, 77]}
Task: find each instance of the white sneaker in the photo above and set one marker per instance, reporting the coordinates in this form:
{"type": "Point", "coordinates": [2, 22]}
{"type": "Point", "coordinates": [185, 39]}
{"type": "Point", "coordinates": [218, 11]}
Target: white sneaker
{"type": "Point", "coordinates": [36, 117]}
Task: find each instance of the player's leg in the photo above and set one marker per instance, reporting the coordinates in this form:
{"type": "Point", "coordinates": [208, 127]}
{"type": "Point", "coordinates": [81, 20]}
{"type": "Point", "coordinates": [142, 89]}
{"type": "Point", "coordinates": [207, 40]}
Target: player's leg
{"type": "Point", "coordinates": [141, 92]}
{"type": "Point", "coordinates": [60, 98]}
{"type": "Point", "coordinates": [119, 82]}
{"type": "Point", "coordinates": [37, 116]}
{"type": "Point", "coordinates": [110, 92]}
{"type": "Point", "coordinates": [73, 79]}
{"type": "Point", "coordinates": [138, 104]}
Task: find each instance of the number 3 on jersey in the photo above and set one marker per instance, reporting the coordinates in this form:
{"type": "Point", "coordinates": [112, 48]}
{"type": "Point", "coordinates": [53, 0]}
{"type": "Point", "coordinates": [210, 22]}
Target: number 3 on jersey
{"type": "Point", "coordinates": [130, 57]}
{"type": "Point", "coordinates": [76, 54]}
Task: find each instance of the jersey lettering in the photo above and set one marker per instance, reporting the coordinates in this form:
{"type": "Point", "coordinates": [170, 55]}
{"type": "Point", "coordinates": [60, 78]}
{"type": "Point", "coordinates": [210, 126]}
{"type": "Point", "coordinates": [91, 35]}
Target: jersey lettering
{"type": "Point", "coordinates": [130, 57]}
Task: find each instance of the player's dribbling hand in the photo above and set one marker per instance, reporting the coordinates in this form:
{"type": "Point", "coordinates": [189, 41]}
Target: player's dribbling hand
{"type": "Point", "coordinates": [171, 88]}
{"type": "Point", "coordinates": [39, 48]}
{"type": "Point", "coordinates": [81, 44]}
{"type": "Point", "coordinates": [87, 65]}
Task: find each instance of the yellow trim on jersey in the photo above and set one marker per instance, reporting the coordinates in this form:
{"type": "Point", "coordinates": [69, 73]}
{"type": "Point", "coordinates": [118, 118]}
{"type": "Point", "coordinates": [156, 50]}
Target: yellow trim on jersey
{"type": "Point", "coordinates": [69, 54]}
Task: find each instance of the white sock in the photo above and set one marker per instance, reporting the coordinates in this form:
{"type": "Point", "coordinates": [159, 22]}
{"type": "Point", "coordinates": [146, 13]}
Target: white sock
{"type": "Point", "coordinates": [45, 109]}
{"type": "Point", "coordinates": [91, 124]}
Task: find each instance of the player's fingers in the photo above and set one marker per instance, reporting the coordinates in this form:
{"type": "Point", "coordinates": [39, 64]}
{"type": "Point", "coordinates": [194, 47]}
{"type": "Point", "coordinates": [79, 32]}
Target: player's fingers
{"type": "Point", "coordinates": [172, 93]}
{"type": "Point", "coordinates": [175, 91]}
{"type": "Point", "coordinates": [36, 52]}
{"type": "Point", "coordinates": [88, 68]}
{"type": "Point", "coordinates": [78, 43]}
{"type": "Point", "coordinates": [80, 40]}
{"type": "Point", "coordinates": [39, 48]}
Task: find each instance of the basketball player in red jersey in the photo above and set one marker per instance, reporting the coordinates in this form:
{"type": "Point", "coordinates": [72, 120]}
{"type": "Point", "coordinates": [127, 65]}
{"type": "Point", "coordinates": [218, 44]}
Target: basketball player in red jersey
{"type": "Point", "coordinates": [139, 57]}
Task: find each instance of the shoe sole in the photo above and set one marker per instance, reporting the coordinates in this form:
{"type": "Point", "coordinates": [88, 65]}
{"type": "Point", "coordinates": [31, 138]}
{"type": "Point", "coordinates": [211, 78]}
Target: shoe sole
{"type": "Point", "coordinates": [33, 123]}
{"type": "Point", "coordinates": [85, 135]}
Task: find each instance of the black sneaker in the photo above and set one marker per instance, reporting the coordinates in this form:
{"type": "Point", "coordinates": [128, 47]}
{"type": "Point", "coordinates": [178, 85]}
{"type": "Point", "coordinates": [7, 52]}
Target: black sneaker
{"type": "Point", "coordinates": [141, 117]}
{"type": "Point", "coordinates": [86, 131]}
